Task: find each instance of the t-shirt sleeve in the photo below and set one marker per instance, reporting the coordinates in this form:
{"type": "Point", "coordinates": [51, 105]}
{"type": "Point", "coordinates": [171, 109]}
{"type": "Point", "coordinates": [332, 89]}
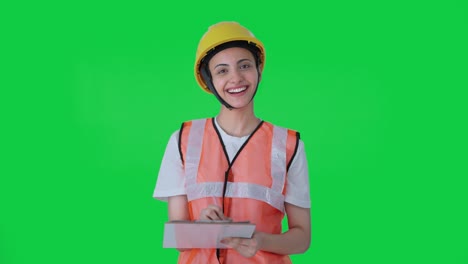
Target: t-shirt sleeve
{"type": "Point", "coordinates": [297, 185]}
{"type": "Point", "coordinates": [171, 179]}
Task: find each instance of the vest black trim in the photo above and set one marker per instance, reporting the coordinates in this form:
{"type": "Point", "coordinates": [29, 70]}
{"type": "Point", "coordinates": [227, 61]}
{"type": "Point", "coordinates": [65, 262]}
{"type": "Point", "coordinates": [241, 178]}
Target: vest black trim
{"type": "Point", "coordinates": [298, 136]}
{"type": "Point", "coordinates": [180, 142]}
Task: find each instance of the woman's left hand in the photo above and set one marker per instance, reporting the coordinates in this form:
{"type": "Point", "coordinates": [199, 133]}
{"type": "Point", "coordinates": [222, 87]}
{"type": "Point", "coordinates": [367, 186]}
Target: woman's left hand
{"type": "Point", "coordinates": [247, 247]}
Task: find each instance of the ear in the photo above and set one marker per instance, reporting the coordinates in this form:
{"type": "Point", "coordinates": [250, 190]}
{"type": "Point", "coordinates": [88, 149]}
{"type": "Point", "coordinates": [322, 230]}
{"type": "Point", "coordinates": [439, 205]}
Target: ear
{"type": "Point", "coordinates": [260, 71]}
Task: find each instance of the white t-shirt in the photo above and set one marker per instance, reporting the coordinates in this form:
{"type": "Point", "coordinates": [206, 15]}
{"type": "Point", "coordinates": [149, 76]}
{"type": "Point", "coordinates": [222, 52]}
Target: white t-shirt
{"type": "Point", "coordinates": [171, 180]}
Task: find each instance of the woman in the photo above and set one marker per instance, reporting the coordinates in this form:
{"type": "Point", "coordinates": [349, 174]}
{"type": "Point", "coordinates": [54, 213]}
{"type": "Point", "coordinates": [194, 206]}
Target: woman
{"type": "Point", "coordinates": [236, 166]}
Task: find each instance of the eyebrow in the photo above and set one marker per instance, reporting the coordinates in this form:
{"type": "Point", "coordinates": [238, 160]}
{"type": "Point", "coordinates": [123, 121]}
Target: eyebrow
{"type": "Point", "coordinates": [224, 64]}
{"type": "Point", "coordinates": [219, 65]}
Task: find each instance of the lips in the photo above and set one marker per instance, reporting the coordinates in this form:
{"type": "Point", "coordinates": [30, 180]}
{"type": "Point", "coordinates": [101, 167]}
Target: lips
{"type": "Point", "coordinates": [236, 90]}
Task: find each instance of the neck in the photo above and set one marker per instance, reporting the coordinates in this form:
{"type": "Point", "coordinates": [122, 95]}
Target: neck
{"type": "Point", "coordinates": [238, 122]}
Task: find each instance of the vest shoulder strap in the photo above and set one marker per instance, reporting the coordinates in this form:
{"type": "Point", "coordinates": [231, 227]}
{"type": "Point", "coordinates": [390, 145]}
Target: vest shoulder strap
{"type": "Point", "coordinates": [184, 134]}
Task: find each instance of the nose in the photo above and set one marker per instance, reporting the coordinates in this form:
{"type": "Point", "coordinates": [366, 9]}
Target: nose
{"type": "Point", "coordinates": [236, 76]}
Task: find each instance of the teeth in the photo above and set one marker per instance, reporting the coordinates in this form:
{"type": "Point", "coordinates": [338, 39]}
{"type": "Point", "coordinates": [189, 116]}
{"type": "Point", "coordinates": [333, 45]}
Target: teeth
{"type": "Point", "coordinates": [237, 90]}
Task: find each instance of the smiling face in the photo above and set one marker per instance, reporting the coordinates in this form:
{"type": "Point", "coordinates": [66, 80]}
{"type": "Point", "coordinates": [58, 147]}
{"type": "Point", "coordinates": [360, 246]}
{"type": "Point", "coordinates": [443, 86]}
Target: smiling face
{"type": "Point", "coordinates": [234, 75]}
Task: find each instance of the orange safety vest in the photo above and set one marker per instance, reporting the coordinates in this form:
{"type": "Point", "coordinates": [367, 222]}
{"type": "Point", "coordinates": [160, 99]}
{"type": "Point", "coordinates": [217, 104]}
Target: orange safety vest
{"type": "Point", "coordinates": [256, 180]}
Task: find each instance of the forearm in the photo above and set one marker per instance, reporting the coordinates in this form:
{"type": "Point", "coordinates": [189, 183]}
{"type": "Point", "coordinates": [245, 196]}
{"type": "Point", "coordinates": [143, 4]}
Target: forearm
{"type": "Point", "coordinates": [178, 208]}
{"type": "Point", "coordinates": [296, 240]}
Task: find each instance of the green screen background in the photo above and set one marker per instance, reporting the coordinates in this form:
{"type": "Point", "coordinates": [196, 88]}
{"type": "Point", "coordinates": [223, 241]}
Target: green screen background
{"type": "Point", "coordinates": [91, 91]}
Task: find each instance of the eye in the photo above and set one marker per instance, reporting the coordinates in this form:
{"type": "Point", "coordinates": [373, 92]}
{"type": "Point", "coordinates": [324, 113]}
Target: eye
{"type": "Point", "coordinates": [221, 71]}
{"type": "Point", "coordinates": [245, 66]}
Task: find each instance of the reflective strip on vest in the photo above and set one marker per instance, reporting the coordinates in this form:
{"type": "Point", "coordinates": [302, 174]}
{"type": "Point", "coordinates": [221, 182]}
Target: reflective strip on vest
{"type": "Point", "coordinates": [194, 149]}
{"type": "Point", "coordinates": [278, 158]}
{"type": "Point", "coordinates": [272, 196]}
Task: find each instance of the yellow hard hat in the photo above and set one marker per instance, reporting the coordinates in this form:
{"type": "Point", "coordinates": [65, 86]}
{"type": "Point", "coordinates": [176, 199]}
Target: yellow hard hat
{"type": "Point", "coordinates": [221, 33]}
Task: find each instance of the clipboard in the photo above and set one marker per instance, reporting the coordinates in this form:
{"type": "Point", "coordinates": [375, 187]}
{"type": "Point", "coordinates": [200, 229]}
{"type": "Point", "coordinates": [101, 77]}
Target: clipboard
{"type": "Point", "coordinates": [203, 234]}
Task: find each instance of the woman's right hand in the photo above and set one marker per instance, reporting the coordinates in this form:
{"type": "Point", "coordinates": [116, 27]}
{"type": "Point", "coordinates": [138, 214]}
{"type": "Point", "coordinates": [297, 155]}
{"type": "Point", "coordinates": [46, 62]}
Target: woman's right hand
{"type": "Point", "coordinates": [213, 212]}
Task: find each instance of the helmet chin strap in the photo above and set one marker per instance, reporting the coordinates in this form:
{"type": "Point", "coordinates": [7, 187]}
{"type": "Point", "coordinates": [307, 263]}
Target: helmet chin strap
{"type": "Point", "coordinates": [213, 90]}
{"type": "Point", "coordinates": [207, 77]}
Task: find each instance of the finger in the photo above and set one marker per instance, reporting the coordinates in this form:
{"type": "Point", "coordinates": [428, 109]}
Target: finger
{"type": "Point", "coordinates": [204, 214]}
{"type": "Point", "coordinates": [214, 207]}
{"type": "Point", "coordinates": [213, 215]}
{"type": "Point", "coordinates": [218, 211]}
{"type": "Point", "coordinates": [209, 214]}
{"type": "Point", "coordinates": [228, 242]}
{"type": "Point", "coordinates": [233, 242]}
{"type": "Point", "coordinates": [240, 241]}
{"type": "Point", "coordinates": [246, 247]}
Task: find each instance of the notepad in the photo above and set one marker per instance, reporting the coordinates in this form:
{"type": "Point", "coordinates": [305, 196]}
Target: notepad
{"type": "Point", "coordinates": [203, 234]}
